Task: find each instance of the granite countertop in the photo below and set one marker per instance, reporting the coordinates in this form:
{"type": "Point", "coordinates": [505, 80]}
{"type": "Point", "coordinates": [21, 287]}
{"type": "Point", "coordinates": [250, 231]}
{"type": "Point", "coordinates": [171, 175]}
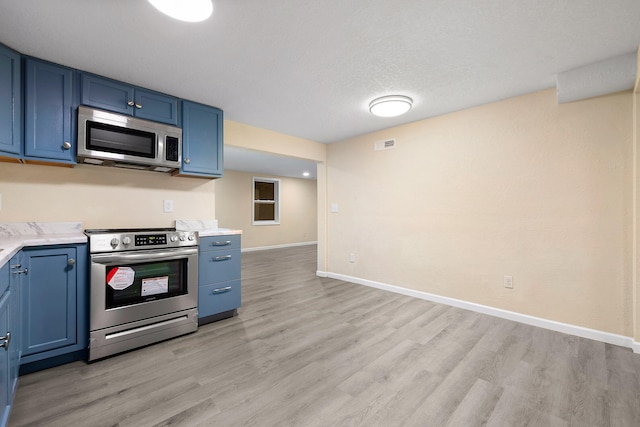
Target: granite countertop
{"type": "Point", "coordinates": [205, 228]}
{"type": "Point", "coordinates": [17, 235]}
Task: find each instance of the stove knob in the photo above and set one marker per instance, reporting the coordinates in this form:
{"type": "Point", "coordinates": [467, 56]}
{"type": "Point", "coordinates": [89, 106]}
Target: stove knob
{"type": "Point", "coordinates": [182, 238]}
{"type": "Point", "coordinates": [114, 242]}
{"type": "Point", "coordinates": [126, 241]}
{"type": "Point", "coordinates": [174, 238]}
{"type": "Point", "coordinates": [191, 237]}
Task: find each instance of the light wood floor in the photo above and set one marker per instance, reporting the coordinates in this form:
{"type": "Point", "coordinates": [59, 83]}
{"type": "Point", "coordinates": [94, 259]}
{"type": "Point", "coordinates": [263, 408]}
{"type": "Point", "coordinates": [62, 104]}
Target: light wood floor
{"type": "Point", "coordinates": [306, 351]}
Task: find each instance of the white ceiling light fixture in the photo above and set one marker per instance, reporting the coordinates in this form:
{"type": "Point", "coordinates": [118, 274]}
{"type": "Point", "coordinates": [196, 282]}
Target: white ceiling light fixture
{"type": "Point", "coordinates": [390, 106]}
{"type": "Point", "coordinates": [185, 10]}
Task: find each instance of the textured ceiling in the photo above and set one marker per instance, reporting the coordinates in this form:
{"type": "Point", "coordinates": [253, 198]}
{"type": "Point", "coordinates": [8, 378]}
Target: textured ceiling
{"type": "Point", "coordinates": [309, 68]}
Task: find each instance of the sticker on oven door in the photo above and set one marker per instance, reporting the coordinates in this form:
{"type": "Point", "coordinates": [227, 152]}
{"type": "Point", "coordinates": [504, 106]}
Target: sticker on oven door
{"type": "Point", "coordinates": [155, 285]}
{"type": "Point", "coordinates": [120, 278]}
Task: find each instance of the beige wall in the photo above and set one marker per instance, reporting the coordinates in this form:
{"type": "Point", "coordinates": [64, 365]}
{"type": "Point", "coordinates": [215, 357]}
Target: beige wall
{"type": "Point", "coordinates": [101, 197]}
{"type": "Point", "coordinates": [253, 138]}
{"type": "Point", "coordinates": [298, 210]}
{"type": "Point", "coordinates": [523, 187]}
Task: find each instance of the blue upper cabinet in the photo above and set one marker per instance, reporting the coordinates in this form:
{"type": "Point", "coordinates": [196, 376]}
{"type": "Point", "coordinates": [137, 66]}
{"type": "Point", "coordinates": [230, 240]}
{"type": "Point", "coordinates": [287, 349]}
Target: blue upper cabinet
{"type": "Point", "coordinates": [49, 119]}
{"type": "Point", "coordinates": [201, 140]}
{"type": "Point", "coordinates": [10, 103]}
{"type": "Point", "coordinates": [111, 95]}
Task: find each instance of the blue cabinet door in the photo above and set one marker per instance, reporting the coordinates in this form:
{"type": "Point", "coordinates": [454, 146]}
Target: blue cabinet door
{"type": "Point", "coordinates": [49, 308]}
{"type": "Point", "coordinates": [156, 106]}
{"type": "Point", "coordinates": [201, 140]}
{"type": "Point", "coordinates": [15, 351]}
{"type": "Point", "coordinates": [49, 121]}
{"type": "Point", "coordinates": [10, 102]}
{"type": "Point", "coordinates": [107, 94]}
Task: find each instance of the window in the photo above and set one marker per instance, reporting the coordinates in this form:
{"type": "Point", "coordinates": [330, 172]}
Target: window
{"type": "Point", "coordinates": [266, 205]}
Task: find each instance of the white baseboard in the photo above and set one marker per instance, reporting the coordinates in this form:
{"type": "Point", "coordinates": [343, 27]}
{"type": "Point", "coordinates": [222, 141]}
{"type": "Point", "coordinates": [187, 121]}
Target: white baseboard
{"type": "Point", "coordinates": [286, 245]}
{"type": "Point", "coordinates": [566, 328]}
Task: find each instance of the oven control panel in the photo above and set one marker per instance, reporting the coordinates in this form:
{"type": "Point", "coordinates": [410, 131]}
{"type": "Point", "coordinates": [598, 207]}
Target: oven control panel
{"type": "Point", "coordinates": [118, 242]}
{"type": "Point", "coordinates": [151, 239]}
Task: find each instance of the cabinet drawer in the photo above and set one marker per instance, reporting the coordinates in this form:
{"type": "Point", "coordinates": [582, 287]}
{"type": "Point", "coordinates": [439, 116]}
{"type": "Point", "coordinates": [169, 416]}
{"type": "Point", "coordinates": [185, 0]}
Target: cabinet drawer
{"type": "Point", "coordinates": [218, 266]}
{"type": "Point", "coordinates": [215, 243]}
{"type": "Point", "coordinates": [213, 299]}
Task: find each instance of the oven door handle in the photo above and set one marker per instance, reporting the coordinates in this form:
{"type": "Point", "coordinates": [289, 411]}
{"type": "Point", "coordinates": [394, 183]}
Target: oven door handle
{"type": "Point", "coordinates": [149, 256]}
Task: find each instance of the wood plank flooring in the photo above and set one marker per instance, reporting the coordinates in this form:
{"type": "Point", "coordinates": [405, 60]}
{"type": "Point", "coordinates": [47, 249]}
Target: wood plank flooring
{"type": "Point", "coordinates": [308, 351]}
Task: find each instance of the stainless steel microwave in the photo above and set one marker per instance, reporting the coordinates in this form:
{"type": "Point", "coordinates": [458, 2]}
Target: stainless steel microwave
{"type": "Point", "coordinates": [112, 139]}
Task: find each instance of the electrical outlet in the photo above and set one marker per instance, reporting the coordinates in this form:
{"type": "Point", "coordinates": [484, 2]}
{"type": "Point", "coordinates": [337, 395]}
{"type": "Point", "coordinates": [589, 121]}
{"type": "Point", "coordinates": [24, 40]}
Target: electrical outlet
{"type": "Point", "coordinates": [352, 257]}
{"type": "Point", "coordinates": [508, 282]}
{"type": "Point", "coordinates": [168, 205]}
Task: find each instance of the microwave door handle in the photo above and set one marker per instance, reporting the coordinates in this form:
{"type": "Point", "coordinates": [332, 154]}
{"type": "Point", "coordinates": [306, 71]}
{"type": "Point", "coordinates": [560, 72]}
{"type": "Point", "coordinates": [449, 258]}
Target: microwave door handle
{"type": "Point", "coordinates": [150, 257]}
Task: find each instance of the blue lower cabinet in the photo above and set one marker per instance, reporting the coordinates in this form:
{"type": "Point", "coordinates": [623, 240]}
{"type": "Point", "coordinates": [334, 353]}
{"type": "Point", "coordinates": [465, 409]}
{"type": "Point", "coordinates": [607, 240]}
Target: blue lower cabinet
{"type": "Point", "coordinates": [9, 337]}
{"type": "Point", "coordinates": [54, 304]}
{"type": "Point", "coordinates": [15, 351]}
{"type": "Point", "coordinates": [219, 277]}
{"type": "Point", "coordinates": [5, 392]}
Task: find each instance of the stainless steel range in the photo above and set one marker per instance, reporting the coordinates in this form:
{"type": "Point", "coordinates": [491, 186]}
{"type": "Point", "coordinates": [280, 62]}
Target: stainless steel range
{"type": "Point", "coordinates": [144, 288]}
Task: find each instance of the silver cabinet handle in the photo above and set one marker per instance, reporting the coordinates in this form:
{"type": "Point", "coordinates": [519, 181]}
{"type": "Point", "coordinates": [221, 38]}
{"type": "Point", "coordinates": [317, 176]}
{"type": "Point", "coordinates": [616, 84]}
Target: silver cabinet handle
{"type": "Point", "coordinates": [221, 258]}
{"type": "Point", "coordinates": [138, 106]}
{"type": "Point", "coordinates": [25, 271]}
{"type": "Point", "coordinates": [130, 103]}
{"type": "Point", "coordinates": [221, 290]}
{"type": "Point", "coordinates": [7, 340]}
{"type": "Point", "coordinates": [66, 145]}
{"type": "Point", "coordinates": [71, 261]}
{"type": "Point", "coordinates": [14, 266]}
{"type": "Point", "coordinates": [187, 160]}
{"type": "Point", "coordinates": [222, 243]}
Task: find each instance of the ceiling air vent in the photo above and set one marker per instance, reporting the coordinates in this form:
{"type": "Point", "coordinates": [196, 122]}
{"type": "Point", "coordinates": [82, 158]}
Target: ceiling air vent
{"type": "Point", "coordinates": [387, 144]}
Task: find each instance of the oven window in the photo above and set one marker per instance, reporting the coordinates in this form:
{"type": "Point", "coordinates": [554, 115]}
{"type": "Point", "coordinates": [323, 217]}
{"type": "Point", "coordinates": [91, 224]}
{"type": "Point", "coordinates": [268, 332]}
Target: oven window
{"type": "Point", "coordinates": [137, 283]}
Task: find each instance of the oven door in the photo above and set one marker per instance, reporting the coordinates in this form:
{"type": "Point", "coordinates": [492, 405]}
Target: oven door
{"type": "Point", "coordinates": [131, 286]}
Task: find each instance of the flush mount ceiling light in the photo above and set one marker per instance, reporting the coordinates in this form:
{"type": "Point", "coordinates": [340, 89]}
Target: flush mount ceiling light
{"type": "Point", "coordinates": [185, 10]}
{"type": "Point", "coordinates": [390, 106]}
